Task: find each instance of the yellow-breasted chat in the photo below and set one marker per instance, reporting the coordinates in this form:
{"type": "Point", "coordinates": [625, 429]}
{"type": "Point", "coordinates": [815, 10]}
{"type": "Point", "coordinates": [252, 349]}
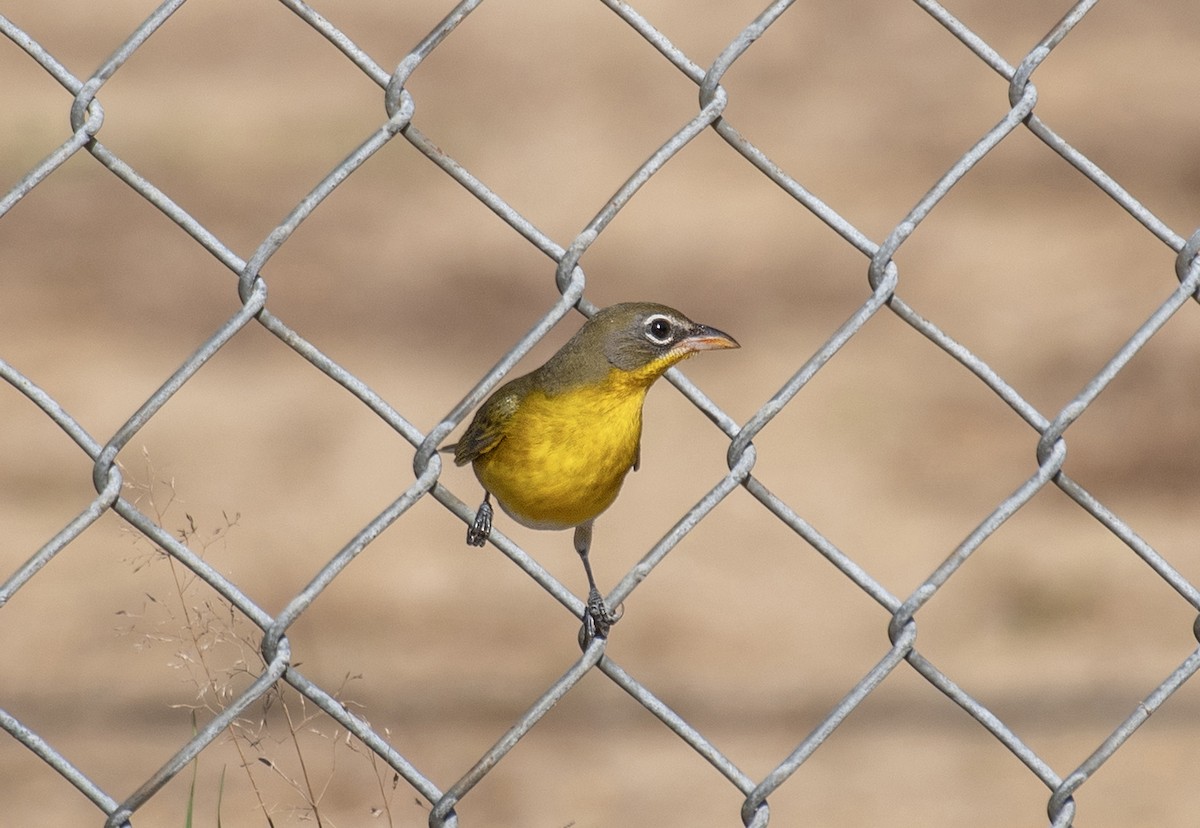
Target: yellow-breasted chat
{"type": "Point", "coordinates": [553, 446]}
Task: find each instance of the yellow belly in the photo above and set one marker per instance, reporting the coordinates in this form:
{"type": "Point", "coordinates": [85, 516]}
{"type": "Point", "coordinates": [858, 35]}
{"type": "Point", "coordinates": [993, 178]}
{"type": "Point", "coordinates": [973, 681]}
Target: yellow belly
{"type": "Point", "coordinates": [563, 459]}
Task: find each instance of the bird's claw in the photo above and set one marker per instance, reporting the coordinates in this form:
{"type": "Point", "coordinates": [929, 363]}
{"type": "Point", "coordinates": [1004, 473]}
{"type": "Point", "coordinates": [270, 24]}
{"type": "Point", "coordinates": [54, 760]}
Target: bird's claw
{"type": "Point", "coordinates": [597, 619]}
{"type": "Point", "coordinates": [478, 531]}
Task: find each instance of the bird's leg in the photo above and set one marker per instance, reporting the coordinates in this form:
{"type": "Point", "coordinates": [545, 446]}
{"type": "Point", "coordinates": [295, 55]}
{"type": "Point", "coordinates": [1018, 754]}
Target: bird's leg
{"type": "Point", "coordinates": [597, 618]}
{"type": "Point", "coordinates": [478, 531]}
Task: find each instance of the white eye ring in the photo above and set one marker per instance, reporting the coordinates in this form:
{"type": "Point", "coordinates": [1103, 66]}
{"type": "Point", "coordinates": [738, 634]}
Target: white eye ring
{"type": "Point", "coordinates": [659, 329]}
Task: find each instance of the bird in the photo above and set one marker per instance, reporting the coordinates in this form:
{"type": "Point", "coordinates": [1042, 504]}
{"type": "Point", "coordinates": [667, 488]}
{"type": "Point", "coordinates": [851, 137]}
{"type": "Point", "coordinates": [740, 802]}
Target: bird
{"type": "Point", "coordinates": [554, 446]}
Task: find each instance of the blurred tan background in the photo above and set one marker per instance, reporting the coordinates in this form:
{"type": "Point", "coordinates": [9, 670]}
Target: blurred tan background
{"type": "Point", "coordinates": [894, 452]}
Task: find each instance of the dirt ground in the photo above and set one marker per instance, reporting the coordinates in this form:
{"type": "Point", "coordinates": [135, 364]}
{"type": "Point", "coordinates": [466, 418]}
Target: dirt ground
{"type": "Point", "coordinates": [894, 452]}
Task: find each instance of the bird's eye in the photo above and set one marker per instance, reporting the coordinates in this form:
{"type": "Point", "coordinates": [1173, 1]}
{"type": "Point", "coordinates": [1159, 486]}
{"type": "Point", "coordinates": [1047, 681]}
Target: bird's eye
{"type": "Point", "coordinates": [658, 330]}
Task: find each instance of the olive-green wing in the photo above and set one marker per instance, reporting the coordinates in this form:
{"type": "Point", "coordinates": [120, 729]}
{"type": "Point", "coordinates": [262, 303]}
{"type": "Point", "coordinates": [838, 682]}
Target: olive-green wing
{"type": "Point", "coordinates": [489, 426]}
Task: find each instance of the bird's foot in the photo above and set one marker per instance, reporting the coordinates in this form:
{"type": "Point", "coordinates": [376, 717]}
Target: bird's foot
{"type": "Point", "coordinates": [478, 531]}
{"type": "Point", "coordinates": [597, 619]}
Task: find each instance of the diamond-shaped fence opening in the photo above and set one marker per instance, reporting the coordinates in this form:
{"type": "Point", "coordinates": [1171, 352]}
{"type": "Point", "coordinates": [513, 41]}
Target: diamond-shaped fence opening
{"type": "Point", "coordinates": [922, 552]}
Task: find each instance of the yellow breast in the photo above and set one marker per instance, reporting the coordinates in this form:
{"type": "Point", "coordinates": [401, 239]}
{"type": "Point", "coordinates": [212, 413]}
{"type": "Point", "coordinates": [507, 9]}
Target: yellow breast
{"type": "Point", "coordinates": [563, 458]}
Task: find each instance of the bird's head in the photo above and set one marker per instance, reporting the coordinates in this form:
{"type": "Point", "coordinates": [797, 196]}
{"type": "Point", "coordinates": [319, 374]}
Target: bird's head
{"type": "Point", "coordinates": [638, 340]}
{"type": "Point", "coordinates": [645, 339]}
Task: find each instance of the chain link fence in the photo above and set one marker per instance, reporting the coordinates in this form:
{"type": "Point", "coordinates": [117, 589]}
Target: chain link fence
{"type": "Point", "coordinates": [1052, 778]}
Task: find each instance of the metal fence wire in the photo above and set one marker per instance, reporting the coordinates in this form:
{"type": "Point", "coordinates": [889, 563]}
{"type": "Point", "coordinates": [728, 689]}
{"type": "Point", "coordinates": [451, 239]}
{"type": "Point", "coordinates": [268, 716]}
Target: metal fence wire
{"type": "Point", "coordinates": [446, 794]}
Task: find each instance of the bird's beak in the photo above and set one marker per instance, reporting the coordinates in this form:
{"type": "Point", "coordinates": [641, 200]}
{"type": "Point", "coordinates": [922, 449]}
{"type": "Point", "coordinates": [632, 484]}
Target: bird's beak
{"type": "Point", "coordinates": [704, 338]}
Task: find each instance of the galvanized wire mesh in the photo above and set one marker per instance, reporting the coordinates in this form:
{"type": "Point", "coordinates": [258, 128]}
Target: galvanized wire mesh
{"type": "Point", "coordinates": [884, 295]}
